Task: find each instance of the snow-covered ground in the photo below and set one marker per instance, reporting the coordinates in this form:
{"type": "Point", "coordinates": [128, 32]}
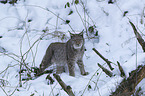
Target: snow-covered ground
{"type": "Point", "coordinates": [27, 30]}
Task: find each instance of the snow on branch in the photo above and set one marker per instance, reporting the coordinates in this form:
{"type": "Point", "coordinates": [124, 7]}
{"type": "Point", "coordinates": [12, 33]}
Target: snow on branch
{"type": "Point", "coordinates": [127, 86]}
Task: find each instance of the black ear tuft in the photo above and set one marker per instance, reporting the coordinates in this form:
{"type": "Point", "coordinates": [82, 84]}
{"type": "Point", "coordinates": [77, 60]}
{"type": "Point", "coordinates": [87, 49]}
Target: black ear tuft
{"type": "Point", "coordinates": [71, 34]}
{"type": "Point", "coordinates": [81, 34]}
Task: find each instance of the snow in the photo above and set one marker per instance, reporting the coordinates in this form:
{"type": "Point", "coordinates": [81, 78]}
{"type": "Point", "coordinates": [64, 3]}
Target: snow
{"type": "Point", "coordinates": [22, 26]}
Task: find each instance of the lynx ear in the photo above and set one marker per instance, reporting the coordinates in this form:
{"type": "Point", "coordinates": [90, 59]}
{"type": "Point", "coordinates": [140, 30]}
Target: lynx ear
{"type": "Point", "coordinates": [81, 34]}
{"type": "Point", "coordinates": [71, 34]}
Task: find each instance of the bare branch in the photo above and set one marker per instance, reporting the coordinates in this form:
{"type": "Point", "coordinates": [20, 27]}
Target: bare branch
{"type": "Point", "coordinates": [109, 73]}
{"type": "Point", "coordinates": [121, 70]}
{"type": "Point", "coordinates": [138, 36]}
{"type": "Point", "coordinates": [65, 87]}
{"type": "Point", "coordinates": [106, 60]}
{"type": "Point", "coordinates": [4, 91]}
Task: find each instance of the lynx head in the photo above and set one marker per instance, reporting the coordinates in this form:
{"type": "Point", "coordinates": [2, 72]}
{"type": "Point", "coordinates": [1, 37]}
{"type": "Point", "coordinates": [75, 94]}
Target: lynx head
{"type": "Point", "coordinates": [77, 40]}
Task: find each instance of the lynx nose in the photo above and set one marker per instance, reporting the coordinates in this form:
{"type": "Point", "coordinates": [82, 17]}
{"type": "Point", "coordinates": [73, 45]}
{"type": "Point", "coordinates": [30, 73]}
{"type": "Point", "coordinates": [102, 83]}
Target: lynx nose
{"type": "Point", "coordinates": [78, 44]}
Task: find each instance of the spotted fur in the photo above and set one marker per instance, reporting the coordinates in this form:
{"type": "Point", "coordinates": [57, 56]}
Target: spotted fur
{"type": "Point", "coordinates": [63, 54]}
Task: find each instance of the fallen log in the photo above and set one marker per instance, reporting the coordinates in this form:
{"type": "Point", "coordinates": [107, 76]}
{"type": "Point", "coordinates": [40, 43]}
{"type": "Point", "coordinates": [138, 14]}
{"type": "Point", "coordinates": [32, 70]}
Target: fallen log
{"type": "Point", "coordinates": [127, 86]}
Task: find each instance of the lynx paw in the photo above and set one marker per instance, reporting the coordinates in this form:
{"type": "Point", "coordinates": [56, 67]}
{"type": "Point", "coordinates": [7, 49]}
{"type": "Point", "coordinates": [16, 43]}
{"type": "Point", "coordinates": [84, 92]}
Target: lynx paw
{"type": "Point", "coordinates": [72, 75]}
{"type": "Point", "coordinates": [86, 73]}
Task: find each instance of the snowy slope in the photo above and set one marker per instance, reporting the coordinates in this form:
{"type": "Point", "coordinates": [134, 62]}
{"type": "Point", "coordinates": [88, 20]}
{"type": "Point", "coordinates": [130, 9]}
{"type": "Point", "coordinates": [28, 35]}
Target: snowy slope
{"type": "Point", "coordinates": [33, 22]}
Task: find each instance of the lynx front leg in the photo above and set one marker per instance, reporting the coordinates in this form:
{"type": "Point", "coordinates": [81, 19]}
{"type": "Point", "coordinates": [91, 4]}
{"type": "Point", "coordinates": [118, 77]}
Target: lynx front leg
{"type": "Point", "coordinates": [81, 66]}
{"type": "Point", "coordinates": [71, 68]}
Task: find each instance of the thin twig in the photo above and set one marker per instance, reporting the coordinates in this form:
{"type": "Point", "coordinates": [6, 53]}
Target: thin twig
{"type": "Point", "coordinates": [4, 91]}
{"type": "Point", "coordinates": [96, 86]}
{"type": "Point", "coordinates": [14, 91]}
{"type": "Point", "coordinates": [9, 55]}
{"type": "Point", "coordinates": [52, 90]}
{"type": "Point", "coordinates": [52, 13]}
{"type": "Point", "coordinates": [8, 68]}
{"type": "Point", "coordinates": [90, 81]}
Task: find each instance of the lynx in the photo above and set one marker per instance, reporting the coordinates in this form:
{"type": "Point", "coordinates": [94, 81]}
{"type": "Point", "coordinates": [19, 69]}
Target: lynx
{"type": "Point", "coordinates": [63, 54]}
